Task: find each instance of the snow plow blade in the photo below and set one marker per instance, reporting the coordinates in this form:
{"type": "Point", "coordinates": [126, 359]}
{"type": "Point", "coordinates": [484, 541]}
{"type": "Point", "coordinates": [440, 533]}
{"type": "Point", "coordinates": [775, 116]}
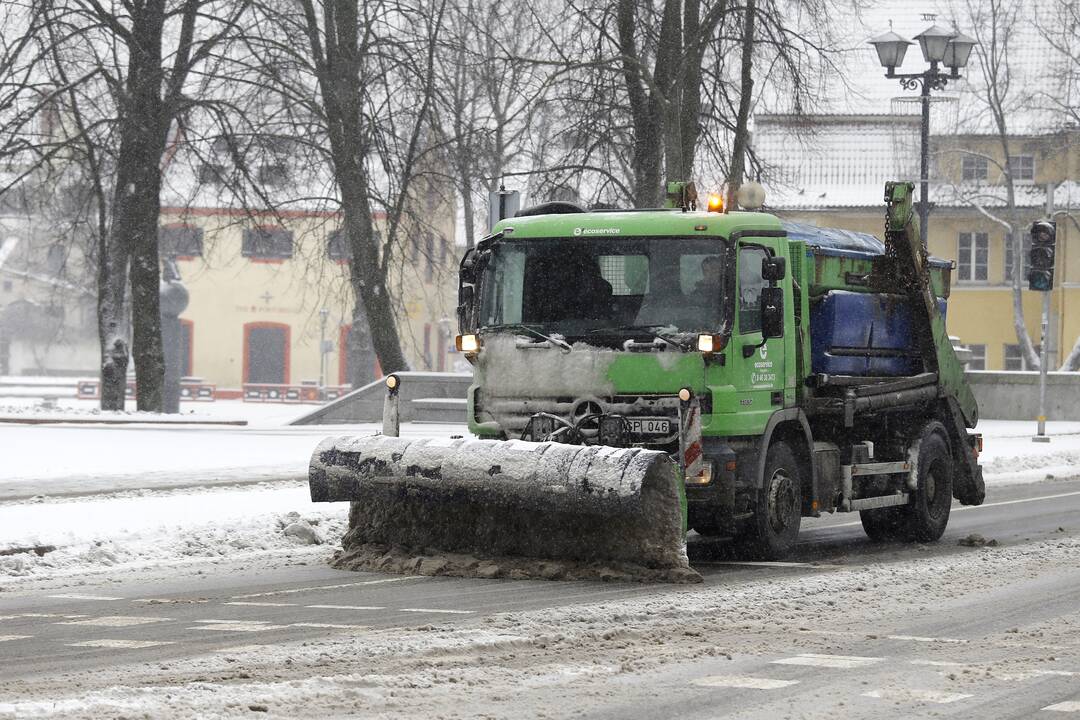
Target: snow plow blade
{"type": "Point", "coordinates": [505, 508]}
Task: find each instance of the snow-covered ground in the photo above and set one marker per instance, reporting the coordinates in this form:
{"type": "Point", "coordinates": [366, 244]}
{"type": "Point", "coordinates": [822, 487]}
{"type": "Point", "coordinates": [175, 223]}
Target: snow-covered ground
{"type": "Point", "coordinates": [129, 497]}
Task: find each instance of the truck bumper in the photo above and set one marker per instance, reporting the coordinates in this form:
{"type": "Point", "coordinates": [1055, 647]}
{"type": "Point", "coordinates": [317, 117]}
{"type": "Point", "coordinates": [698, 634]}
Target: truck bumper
{"type": "Point", "coordinates": [710, 507]}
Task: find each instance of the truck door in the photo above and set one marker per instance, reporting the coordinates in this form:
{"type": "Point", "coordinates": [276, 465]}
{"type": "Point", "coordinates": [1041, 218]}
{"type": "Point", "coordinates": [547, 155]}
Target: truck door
{"type": "Point", "coordinates": [759, 371]}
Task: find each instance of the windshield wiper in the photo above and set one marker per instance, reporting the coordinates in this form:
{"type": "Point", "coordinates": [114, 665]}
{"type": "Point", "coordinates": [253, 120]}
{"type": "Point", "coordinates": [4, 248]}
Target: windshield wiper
{"type": "Point", "coordinates": [655, 330]}
{"type": "Point", "coordinates": [518, 327]}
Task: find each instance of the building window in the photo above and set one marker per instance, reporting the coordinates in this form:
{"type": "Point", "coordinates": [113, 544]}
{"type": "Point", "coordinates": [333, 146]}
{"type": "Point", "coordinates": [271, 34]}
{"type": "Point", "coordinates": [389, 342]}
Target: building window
{"type": "Point", "coordinates": [1015, 360]}
{"type": "Point", "coordinates": [183, 241]}
{"type": "Point", "coordinates": [427, 346]}
{"type": "Point", "coordinates": [266, 353]}
{"type": "Point", "coordinates": [55, 256]}
{"type": "Point", "coordinates": [337, 246]}
{"type": "Point", "coordinates": [429, 258]}
{"type": "Point", "coordinates": [974, 168]}
{"type": "Point", "coordinates": [1023, 168]}
{"type": "Point", "coordinates": [273, 174]}
{"type": "Point", "coordinates": [1025, 258]}
{"type": "Point", "coordinates": [978, 357]}
{"type": "Point", "coordinates": [971, 257]}
{"type": "Point", "coordinates": [211, 173]}
{"type": "Point", "coordinates": [267, 243]}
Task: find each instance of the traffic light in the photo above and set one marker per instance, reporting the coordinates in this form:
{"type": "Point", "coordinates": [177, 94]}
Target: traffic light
{"type": "Point", "coordinates": [1041, 255]}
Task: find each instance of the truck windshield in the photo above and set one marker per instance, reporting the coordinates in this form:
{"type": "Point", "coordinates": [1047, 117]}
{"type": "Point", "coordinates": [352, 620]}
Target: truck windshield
{"type": "Point", "coordinates": [588, 287]}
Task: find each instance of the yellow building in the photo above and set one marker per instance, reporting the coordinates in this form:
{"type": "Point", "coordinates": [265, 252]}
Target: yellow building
{"type": "Point", "coordinates": [270, 303]}
{"type": "Point", "coordinates": [839, 183]}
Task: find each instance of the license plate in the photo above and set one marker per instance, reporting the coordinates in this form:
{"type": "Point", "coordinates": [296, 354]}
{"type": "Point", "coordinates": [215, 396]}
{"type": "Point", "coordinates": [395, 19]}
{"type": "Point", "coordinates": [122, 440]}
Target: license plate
{"type": "Point", "coordinates": [650, 426]}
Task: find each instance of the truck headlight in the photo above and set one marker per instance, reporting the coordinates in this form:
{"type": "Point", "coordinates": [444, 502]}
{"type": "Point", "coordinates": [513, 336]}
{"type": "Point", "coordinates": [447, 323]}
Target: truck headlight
{"type": "Point", "coordinates": [704, 476]}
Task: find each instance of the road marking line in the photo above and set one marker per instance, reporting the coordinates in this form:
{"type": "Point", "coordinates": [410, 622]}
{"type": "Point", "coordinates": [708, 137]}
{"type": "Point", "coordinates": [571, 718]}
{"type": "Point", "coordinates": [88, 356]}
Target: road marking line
{"type": "Point", "coordinates": [937, 663]}
{"type": "Point", "coordinates": [773, 564]}
{"type": "Point", "coordinates": [916, 638]}
{"type": "Point", "coordinates": [325, 587]}
{"type": "Point", "coordinates": [930, 696]}
{"type": "Point", "coordinates": [1063, 673]}
{"type": "Point", "coordinates": [1067, 706]}
{"type": "Point", "coordinates": [169, 601]}
{"type": "Point", "coordinates": [431, 610]}
{"type": "Point", "coordinates": [40, 615]}
{"type": "Point", "coordinates": [238, 627]}
{"type": "Point", "coordinates": [346, 607]}
{"type": "Point", "coordinates": [77, 596]}
{"type": "Point", "coordinates": [743, 681]}
{"type": "Point", "coordinates": [232, 622]}
{"type": "Point", "coordinates": [976, 507]}
{"type": "Point", "coordinates": [329, 625]}
{"type": "Point", "coordinates": [261, 604]}
{"type": "Point", "coordinates": [119, 643]}
{"type": "Point", "coordinates": [830, 661]}
{"type": "Point", "coordinates": [115, 621]}
{"type": "Point", "coordinates": [6, 638]}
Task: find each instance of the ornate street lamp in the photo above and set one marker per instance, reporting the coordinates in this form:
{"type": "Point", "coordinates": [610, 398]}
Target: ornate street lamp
{"type": "Point", "coordinates": [940, 47]}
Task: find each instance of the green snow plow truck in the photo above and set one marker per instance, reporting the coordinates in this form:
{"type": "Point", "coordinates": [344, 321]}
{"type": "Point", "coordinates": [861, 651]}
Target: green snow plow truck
{"type": "Point", "coordinates": [639, 373]}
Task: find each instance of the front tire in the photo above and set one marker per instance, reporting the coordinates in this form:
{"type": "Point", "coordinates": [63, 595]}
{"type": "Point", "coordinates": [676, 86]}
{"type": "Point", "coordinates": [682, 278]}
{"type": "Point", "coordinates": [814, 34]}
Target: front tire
{"type": "Point", "coordinates": [774, 528]}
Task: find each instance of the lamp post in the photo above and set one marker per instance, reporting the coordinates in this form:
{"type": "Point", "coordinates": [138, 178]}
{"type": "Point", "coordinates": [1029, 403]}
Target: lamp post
{"type": "Point", "coordinates": [941, 48]}
{"type": "Point", "coordinates": [324, 313]}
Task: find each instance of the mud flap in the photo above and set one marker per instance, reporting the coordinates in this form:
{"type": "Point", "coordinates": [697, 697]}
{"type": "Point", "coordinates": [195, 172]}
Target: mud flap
{"type": "Point", "coordinates": [968, 485]}
{"type": "Point", "coordinates": [509, 499]}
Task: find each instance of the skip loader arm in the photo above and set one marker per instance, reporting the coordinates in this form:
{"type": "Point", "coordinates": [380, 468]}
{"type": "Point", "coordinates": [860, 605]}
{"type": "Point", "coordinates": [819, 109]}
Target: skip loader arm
{"type": "Point", "coordinates": [908, 268]}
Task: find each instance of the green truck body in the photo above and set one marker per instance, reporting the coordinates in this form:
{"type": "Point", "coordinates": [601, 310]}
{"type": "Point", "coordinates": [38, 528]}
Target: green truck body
{"type": "Point", "coordinates": [697, 340]}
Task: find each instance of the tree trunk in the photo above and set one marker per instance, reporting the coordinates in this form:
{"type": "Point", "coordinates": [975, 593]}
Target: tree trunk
{"type": "Point", "coordinates": [137, 201]}
{"type": "Point", "coordinates": [742, 121]}
{"type": "Point", "coordinates": [647, 150]}
{"type": "Point", "coordinates": [338, 74]}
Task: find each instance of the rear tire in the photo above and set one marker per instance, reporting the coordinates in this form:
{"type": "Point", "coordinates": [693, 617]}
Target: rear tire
{"type": "Point", "coordinates": [774, 528]}
{"type": "Point", "coordinates": [925, 519]}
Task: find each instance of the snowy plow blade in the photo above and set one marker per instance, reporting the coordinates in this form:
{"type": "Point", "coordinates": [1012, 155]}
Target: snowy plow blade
{"type": "Point", "coordinates": [492, 508]}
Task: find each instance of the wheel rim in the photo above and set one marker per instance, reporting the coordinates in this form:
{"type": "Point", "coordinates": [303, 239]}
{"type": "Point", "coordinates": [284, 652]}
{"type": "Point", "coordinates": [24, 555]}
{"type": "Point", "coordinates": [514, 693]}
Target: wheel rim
{"type": "Point", "coordinates": [781, 501]}
{"type": "Point", "coordinates": [932, 488]}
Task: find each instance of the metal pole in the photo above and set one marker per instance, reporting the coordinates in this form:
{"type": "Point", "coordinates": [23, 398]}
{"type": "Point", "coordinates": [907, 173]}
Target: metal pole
{"type": "Point", "coordinates": [391, 419]}
{"type": "Point", "coordinates": [323, 315]}
{"type": "Point", "coordinates": [1041, 435]}
{"type": "Point", "coordinates": [924, 172]}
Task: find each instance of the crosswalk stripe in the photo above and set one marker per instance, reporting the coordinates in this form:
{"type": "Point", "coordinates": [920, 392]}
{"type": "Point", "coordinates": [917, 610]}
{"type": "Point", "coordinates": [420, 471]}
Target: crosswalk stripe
{"type": "Point", "coordinates": [743, 681]}
{"type": "Point", "coordinates": [917, 638]}
{"type": "Point", "coordinates": [432, 610]}
{"type": "Point", "coordinates": [346, 607]}
{"type": "Point", "coordinates": [6, 638]}
{"type": "Point", "coordinates": [830, 661]}
{"type": "Point", "coordinates": [78, 596]}
{"type": "Point", "coordinates": [238, 627]}
{"type": "Point", "coordinates": [261, 604]}
{"type": "Point", "coordinates": [325, 587]}
{"type": "Point", "coordinates": [1067, 706]}
{"type": "Point", "coordinates": [115, 621]}
{"type": "Point", "coordinates": [329, 625]}
{"type": "Point", "coordinates": [908, 694]}
{"type": "Point", "coordinates": [125, 644]}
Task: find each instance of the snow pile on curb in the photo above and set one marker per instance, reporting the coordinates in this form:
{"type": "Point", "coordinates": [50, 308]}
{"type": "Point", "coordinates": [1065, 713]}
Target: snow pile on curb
{"type": "Point", "coordinates": [142, 529]}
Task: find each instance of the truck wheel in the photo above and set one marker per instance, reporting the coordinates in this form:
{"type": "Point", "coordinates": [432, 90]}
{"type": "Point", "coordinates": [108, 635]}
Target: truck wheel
{"type": "Point", "coordinates": [924, 520]}
{"type": "Point", "coordinates": [774, 528]}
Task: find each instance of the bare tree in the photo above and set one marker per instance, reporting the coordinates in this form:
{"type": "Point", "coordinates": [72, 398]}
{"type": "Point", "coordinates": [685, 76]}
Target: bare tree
{"type": "Point", "coordinates": [131, 68]}
{"type": "Point", "coordinates": [360, 90]}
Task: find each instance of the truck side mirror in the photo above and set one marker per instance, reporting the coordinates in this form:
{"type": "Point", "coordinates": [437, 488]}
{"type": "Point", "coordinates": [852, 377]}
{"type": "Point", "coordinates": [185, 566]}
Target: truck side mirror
{"type": "Point", "coordinates": [773, 268]}
{"type": "Point", "coordinates": [772, 311]}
